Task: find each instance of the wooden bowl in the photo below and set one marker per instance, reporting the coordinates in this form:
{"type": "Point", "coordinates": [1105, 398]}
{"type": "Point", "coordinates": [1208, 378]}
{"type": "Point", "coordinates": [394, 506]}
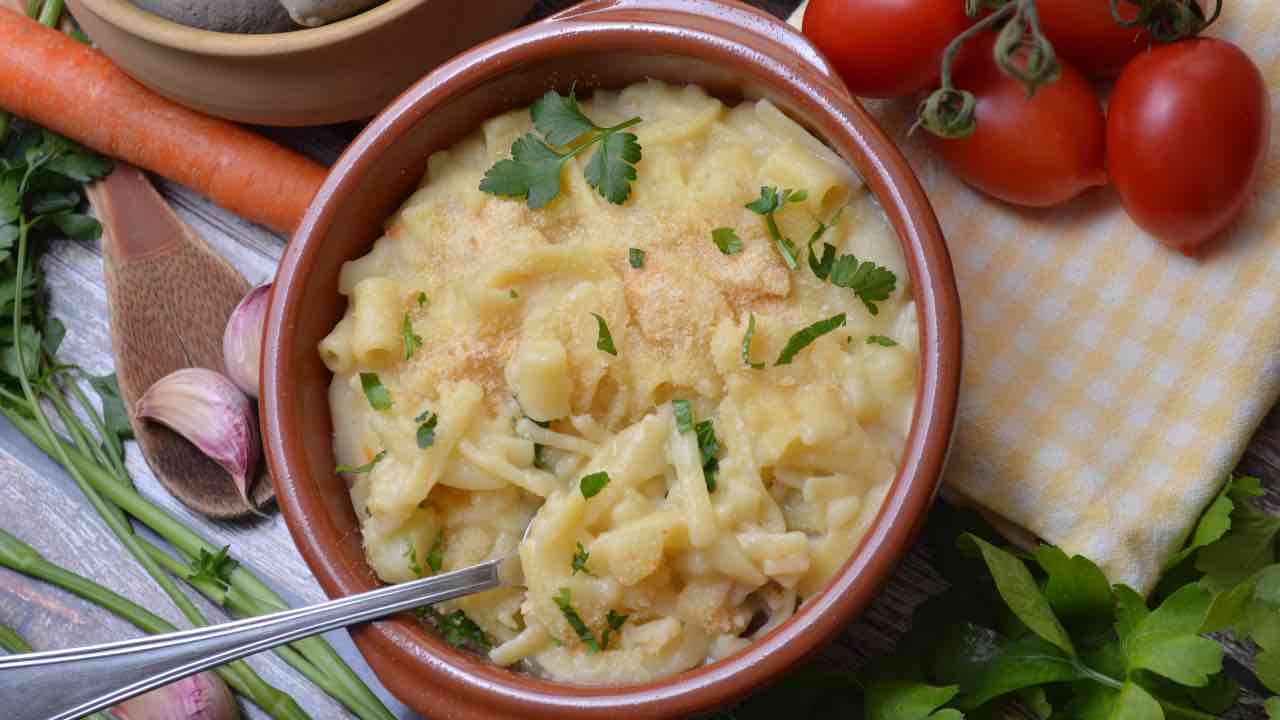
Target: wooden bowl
{"type": "Point", "coordinates": [346, 70]}
{"type": "Point", "coordinates": [733, 51]}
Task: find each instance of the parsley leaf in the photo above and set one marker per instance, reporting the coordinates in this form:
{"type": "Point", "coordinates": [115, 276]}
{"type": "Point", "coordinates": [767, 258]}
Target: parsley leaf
{"type": "Point", "coordinates": [113, 411]}
{"type": "Point", "coordinates": [422, 299]}
{"type": "Point", "coordinates": [412, 341]}
{"type": "Point", "coordinates": [411, 554]}
{"type": "Point", "coordinates": [1167, 641]}
{"type": "Point", "coordinates": [803, 338]}
{"type": "Point", "coordinates": [1076, 588]}
{"type": "Point", "coordinates": [1020, 592]}
{"type": "Point", "coordinates": [378, 396]}
{"type": "Point", "coordinates": [684, 415]}
{"type": "Point", "coordinates": [1026, 662]}
{"type": "Point", "coordinates": [612, 166]}
{"type": "Point", "coordinates": [361, 469]}
{"type": "Point", "coordinates": [565, 602]}
{"type": "Point", "coordinates": [709, 447]}
{"type": "Point", "coordinates": [559, 118]}
{"type": "Point", "coordinates": [427, 430]}
{"type": "Point", "coordinates": [1213, 524]}
{"type": "Point", "coordinates": [533, 171]}
{"type": "Point", "coordinates": [727, 240]}
{"type": "Point", "coordinates": [900, 700]}
{"type": "Point", "coordinates": [769, 202]}
{"type": "Point", "coordinates": [614, 622]}
{"type": "Point", "coordinates": [1247, 547]}
{"type": "Point", "coordinates": [881, 340]}
{"type": "Point", "coordinates": [636, 257]}
{"type": "Point", "coordinates": [746, 343]}
{"type": "Point", "coordinates": [592, 484]}
{"type": "Point", "coordinates": [215, 569]}
{"type": "Point", "coordinates": [458, 629]}
{"type": "Point", "coordinates": [871, 283]}
{"type": "Point", "coordinates": [580, 558]}
{"type": "Point", "coordinates": [604, 339]}
{"type": "Point", "coordinates": [435, 556]}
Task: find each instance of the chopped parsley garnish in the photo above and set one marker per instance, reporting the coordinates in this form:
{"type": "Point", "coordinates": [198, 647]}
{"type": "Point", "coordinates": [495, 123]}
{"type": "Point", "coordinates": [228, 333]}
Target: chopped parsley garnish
{"type": "Point", "coordinates": [872, 283]}
{"type": "Point", "coordinates": [514, 295]}
{"type": "Point", "coordinates": [377, 394]}
{"type": "Point", "coordinates": [580, 558]}
{"type": "Point", "coordinates": [361, 469]}
{"type": "Point", "coordinates": [615, 624]}
{"type": "Point", "coordinates": [571, 616]}
{"type": "Point", "coordinates": [435, 556]}
{"type": "Point", "coordinates": [457, 628]}
{"type": "Point", "coordinates": [592, 484]}
{"type": "Point", "coordinates": [412, 341]}
{"type": "Point", "coordinates": [881, 340]}
{"type": "Point", "coordinates": [769, 202]}
{"type": "Point", "coordinates": [411, 554]}
{"type": "Point", "coordinates": [422, 299]}
{"type": "Point", "coordinates": [214, 568]}
{"type": "Point", "coordinates": [636, 257]}
{"type": "Point", "coordinates": [746, 343]}
{"type": "Point", "coordinates": [533, 171]}
{"type": "Point", "coordinates": [426, 429]}
{"type": "Point", "coordinates": [803, 338]}
{"type": "Point", "coordinates": [727, 240]}
{"type": "Point", "coordinates": [822, 268]}
{"type": "Point", "coordinates": [709, 447]}
{"type": "Point", "coordinates": [684, 415]}
{"type": "Point", "coordinates": [605, 340]}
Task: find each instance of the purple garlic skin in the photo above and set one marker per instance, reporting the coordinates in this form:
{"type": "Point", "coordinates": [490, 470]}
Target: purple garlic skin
{"type": "Point", "coordinates": [202, 696]}
{"type": "Point", "coordinates": [208, 409]}
{"type": "Point", "coordinates": [242, 340]}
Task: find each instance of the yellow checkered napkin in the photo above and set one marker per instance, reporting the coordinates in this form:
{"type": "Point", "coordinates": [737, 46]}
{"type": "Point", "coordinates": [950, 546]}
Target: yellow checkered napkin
{"type": "Point", "coordinates": [1110, 384]}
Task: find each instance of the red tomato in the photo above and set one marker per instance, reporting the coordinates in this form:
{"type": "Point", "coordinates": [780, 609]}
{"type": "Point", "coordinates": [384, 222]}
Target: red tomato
{"type": "Point", "coordinates": [1085, 35]}
{"type": "Point", "coordinates": [885, 48]}
{"type": "Point", "coordinates": [1187, 137]}
{"type": "Point", "coordinates": [1037, 152]}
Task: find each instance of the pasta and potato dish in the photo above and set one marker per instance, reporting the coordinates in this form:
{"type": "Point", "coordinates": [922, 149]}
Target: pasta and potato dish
{"type": "Point", "coordinates": [698, 391]}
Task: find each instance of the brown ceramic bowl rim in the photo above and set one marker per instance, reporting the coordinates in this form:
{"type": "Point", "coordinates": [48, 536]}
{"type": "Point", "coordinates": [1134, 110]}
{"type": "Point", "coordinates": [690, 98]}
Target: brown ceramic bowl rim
{"type": "Point", "coordinates": [413, 662]}
{"type": "Point", "coordinates": [162, 31]}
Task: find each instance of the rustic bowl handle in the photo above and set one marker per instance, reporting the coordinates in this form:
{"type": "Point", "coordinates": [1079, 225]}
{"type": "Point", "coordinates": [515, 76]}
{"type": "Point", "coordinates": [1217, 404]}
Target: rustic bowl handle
{"type": "Point", "coordinates": [792, 46]}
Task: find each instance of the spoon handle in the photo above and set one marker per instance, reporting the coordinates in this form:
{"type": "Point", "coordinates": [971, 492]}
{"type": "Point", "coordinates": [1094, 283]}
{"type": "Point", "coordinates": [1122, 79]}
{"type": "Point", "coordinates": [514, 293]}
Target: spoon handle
{"type": "Point", "coordinates": [67, 684]}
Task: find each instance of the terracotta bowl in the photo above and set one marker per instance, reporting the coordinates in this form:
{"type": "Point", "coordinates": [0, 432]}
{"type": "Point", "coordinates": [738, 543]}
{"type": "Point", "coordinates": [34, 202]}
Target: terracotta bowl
{"type": "Point", "coordinates": [346, 70]}
{"type": "Point", "coordinates": [733, 51]}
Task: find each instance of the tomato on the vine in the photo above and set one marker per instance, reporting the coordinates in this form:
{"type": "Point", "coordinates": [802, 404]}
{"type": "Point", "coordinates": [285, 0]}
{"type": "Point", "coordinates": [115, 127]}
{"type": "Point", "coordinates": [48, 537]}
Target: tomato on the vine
{"type": "Point", "coordinates": [1084, 33]}
{"type": "Point", "coordinates": [885, 48]}
{"type": "Point", "coordinates": [1036, 152]}
{"type": "Point", "coordinates": [1187, 136]}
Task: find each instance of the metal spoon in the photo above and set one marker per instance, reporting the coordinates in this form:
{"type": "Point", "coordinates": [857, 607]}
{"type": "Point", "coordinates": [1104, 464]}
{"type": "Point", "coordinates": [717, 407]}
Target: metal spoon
{"type": "Point", "coordinates": [67, 684]}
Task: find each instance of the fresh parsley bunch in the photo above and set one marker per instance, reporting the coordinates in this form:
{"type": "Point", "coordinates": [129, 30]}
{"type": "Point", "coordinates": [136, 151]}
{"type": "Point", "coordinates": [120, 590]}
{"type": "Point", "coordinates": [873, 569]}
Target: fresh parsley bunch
{"type": "Point", "coordinates": [1043, 635]}
{"type": "Point", "coordinates": [533, 171]}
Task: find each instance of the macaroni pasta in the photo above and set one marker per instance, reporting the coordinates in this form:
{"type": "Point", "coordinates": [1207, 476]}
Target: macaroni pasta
{"type": "Point", "coordinates": [477, 317]}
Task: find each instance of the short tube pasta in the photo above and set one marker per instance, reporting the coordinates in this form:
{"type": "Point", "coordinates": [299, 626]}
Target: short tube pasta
{"type": "Point", "coordinates": [499, 367]}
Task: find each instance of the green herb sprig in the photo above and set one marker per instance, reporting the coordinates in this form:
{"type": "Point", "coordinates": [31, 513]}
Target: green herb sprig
{"type": "Point", "coordinates": [533, 171]}
{"type": "Point", "coordinates": [769, 202]}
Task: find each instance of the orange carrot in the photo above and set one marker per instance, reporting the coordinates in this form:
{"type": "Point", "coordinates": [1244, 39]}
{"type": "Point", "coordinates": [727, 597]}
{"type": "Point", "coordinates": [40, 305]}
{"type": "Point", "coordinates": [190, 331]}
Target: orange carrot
{"type": "Point", "coordinates": [72, 89]}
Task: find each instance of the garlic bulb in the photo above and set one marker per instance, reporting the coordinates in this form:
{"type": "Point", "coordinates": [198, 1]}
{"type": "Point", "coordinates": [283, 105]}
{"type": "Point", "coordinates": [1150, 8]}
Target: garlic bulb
{"type": "Point", "coordinates": [199, 697]}
{"type": "Point", "coordinates": [242, 340]}
{"type": "Point", "coordinates": [209, 410]}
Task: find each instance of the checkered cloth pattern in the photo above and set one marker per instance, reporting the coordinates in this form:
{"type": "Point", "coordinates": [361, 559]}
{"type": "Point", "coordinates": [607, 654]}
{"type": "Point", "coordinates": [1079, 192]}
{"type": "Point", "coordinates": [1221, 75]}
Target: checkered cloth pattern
{"type": "Point", "coordinates": [1110, 384]}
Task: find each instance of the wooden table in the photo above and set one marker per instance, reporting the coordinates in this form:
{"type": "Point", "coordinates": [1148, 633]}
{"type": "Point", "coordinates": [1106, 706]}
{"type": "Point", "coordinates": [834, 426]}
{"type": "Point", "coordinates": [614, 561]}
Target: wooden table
{"type": "Point", "coordinates": [42, 506]}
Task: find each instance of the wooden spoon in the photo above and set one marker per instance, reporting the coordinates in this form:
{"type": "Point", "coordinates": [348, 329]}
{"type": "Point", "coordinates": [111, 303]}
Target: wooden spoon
{"type": "Point", "coordinates": [169, 297]}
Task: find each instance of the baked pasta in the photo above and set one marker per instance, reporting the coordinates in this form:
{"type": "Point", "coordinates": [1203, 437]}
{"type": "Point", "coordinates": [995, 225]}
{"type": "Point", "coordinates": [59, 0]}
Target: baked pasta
{"type": "Point", "coordinates": [699, 413]}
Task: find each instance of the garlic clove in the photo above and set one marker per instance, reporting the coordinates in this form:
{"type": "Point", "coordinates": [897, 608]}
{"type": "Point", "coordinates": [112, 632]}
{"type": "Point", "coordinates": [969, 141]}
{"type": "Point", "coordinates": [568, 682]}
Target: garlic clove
{"type": "Point", "coordinates": [202, 696]}
{"type": "Point", "coordinates": [242, 339]}
{"type": "Point", "coordinates": [207, 409]}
